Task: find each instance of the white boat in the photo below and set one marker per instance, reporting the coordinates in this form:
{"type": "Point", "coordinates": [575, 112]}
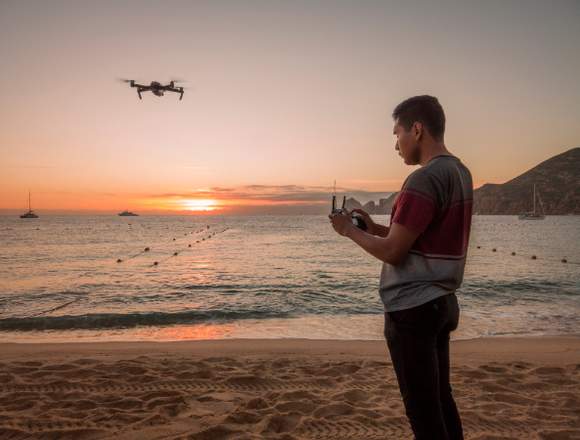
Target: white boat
{"type": "Point", "coordinates": [30, 213]}
{"type": "Point", "coordinates": [533, 215]}
{"type": "Point", "coordinates": [127, 214]}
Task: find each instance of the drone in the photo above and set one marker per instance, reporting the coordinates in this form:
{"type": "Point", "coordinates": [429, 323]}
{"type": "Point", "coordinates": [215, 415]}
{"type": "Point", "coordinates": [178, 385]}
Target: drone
{"type": "Point", "coordinates": [156, 88]}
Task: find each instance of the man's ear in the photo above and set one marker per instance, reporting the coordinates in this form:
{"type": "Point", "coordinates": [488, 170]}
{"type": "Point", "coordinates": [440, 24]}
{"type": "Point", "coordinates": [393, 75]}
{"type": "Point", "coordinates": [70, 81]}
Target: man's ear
{"type": "Point", "coordinates": [417, 130]}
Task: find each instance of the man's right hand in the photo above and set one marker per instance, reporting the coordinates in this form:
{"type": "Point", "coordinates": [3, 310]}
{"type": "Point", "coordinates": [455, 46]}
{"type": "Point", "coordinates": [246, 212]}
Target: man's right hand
{"type": "Point", "coordinates": [371, 225]}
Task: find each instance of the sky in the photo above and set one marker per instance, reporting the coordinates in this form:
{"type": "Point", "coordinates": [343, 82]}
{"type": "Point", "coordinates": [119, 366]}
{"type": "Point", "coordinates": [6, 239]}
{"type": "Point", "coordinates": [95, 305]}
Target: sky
{"type": "Point", "coordinates": [282, 99]}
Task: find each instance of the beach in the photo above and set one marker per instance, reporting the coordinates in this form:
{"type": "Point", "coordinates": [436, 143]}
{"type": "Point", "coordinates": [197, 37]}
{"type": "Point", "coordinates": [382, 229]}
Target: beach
{"type": "Point", "coordinates": [505, 388]}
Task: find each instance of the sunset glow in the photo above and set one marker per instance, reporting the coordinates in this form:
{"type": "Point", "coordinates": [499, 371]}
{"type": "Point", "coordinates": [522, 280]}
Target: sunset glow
{"type": "Point", "coordinates": [200, 205]}
{"type": "Point", "coordinates": [281, 100]}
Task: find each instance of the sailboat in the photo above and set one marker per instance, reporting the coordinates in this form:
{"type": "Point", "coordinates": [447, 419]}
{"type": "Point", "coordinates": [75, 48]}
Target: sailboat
{"type": "Point", "coordinates": [30, 213]}
{"type": "Point", "coordinates": [533, 215]}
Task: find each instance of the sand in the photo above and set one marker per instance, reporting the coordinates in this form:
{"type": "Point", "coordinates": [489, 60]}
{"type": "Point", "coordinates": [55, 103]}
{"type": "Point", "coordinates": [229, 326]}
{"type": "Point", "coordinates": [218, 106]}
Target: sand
{"type": "Point", "coordinates": [506, 388]}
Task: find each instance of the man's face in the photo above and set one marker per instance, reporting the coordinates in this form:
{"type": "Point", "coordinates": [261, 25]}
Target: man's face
{"type": "Point", "coordinates": [407, 143]}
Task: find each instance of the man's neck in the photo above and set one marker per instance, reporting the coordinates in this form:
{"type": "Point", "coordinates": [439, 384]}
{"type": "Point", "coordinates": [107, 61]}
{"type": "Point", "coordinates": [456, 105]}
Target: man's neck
{"type": "Point", "coordinates": [431, 151]}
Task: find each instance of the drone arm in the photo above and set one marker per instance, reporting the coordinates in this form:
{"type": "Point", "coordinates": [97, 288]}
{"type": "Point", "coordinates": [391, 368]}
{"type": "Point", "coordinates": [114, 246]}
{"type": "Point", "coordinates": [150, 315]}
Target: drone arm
{"type": "Point", "coordinates": [176, 90]}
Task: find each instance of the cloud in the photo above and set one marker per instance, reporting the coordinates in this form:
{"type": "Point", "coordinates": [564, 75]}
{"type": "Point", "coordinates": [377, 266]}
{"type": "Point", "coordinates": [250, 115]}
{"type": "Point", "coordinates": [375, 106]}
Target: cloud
{"type": "Point", "coordinates": [273, 194]}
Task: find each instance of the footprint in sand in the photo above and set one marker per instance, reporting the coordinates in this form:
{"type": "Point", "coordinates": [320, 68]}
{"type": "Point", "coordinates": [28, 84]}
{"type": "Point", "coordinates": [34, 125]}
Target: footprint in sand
{"type": "Point", "coordinates": [333, 410]}
{"type": "Point", "coordinates": [297, 406]}
{"type": "Point", "coordinates": [241, 417]}
{"type": "Point", "coordinates": [282, 423]}
{"type": "Point", "coordinates": [352, 396]}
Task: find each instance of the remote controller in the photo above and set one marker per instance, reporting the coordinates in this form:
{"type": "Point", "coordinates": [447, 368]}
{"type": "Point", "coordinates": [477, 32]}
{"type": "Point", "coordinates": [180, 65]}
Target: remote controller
{"type": "Point", "coordinates": [356, 218]}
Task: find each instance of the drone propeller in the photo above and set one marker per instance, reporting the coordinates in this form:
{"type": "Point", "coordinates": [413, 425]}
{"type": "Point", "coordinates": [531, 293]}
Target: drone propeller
{"type": "Point", "coordinates": [178, 80]}
{"type": "Point", "coordinates": [125, 80]}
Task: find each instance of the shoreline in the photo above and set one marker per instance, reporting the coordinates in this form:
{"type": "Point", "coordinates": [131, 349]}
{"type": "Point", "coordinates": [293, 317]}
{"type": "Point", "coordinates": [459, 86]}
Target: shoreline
{"type": "Point", "coordinates": [547, 348]}
{"type": "Point", "coordinates": [368, 327]}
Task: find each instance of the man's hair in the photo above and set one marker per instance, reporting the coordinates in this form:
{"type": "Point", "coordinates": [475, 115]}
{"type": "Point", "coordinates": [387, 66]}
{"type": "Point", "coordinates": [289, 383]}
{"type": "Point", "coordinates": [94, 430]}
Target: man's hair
{"type": "Point", "coordinates": [425, 109]}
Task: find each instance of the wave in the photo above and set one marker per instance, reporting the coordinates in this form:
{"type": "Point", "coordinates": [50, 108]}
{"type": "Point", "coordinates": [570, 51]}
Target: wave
{"type": "Point", "coordinates": [98, 321]}
{"type": "Point", "coordinates": [117, 320]}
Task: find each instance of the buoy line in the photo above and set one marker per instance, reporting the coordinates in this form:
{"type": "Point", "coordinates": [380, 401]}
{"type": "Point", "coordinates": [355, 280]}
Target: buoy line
{"type": "Point", "coordinates": [175, 254]}
{"type": "Point", "coordinates": [563, 260]}
{"type": "Point", "coordinates": [147, 249]}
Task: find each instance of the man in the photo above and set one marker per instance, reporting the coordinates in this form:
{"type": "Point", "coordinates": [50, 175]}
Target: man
{"type": "Point", "coordinates": [423, 252]}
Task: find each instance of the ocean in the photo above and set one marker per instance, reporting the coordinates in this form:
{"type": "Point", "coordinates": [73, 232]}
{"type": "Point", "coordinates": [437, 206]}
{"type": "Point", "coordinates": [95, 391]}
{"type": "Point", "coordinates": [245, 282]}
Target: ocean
{"type": "Point", "coordinates": [218, 277]}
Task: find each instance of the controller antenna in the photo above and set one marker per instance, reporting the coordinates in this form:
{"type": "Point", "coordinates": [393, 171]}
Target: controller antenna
{"type": "Point", "coordinates": [334, 198]}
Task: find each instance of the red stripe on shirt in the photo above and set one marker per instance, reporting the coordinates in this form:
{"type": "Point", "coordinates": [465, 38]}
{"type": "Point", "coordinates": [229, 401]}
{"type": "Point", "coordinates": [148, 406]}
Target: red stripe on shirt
{"type": "Point", "coordinates": [414, 210]}
{"type": "Point", "coordinates": [448, 235]}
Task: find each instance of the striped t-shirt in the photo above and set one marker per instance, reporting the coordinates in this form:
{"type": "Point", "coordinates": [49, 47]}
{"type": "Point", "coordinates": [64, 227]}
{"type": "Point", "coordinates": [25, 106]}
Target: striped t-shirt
{"type": "Point", "coordinates": [436, 201]}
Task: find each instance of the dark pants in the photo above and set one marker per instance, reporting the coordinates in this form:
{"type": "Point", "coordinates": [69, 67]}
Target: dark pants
{"type": "Point", "coordinates": [418, 340]}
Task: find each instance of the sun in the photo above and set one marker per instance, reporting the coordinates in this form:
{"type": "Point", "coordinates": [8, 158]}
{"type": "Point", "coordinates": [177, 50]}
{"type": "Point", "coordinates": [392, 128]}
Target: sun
{"type": "Point", "coordinates": [200, 204]}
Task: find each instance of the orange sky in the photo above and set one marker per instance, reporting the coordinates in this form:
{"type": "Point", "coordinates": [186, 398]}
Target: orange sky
{"type": "Point", "coordinates": [283, 98]}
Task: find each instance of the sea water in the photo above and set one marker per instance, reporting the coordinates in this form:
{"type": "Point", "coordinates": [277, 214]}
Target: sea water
{"type": "Point", "coordinates": [262, 277]}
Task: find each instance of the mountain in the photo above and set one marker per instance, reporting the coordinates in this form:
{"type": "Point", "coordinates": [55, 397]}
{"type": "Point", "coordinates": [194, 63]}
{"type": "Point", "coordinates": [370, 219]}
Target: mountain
{"type": "Point", "coordinates": [352, 203]}
{"type": "Point", "coordinates": [370, 207]}
{"type": "Point", "coordinates": [383, 208]}
{"type": "Point", "coordinates": [385, 205]}
{"type": "Point", "coordinates": [557, 183]}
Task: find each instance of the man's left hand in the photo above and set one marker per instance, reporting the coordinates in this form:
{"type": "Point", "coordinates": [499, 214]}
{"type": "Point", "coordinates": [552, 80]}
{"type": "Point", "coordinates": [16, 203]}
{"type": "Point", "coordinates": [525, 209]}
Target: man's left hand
{"type": "Point", "coordinates": [342, 223]}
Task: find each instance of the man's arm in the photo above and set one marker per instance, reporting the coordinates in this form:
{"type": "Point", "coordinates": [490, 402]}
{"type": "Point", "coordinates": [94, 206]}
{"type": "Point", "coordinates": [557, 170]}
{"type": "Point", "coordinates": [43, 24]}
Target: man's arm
{"type": "Point", "coordinates": [391, 249]}
{"type": "Point", "coordinates": [380, 230]}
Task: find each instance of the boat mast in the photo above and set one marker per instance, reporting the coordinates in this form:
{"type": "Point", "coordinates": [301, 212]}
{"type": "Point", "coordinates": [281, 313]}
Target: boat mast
{"type": "Point", "coordinates": [29, 200]}
{"type": "Point", "coordinates": [534, 199]}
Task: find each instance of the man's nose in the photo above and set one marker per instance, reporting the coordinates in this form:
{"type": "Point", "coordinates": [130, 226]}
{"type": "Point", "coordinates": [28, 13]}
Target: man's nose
{"type": "Point", "coordinates": [397, 146]}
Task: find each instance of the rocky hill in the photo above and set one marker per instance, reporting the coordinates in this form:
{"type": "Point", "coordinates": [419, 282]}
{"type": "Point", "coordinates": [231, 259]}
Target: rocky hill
{"type": "Point", "coordinates": [557, 182]}
{"type": "Point", "coordinates": [383, 208]}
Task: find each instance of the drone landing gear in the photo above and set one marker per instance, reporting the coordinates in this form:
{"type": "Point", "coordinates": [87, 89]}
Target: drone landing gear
{"type": "Point", "coordinates": [139, 93]}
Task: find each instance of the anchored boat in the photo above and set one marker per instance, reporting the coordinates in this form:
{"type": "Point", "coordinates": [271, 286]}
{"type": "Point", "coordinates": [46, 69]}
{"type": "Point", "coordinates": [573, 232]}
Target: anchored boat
{"type": "Point", "coordinates": [128, 214]}
{"type": "Point", "coordinates": [533, 215]}
{"type": "Point", "coordinates": [30, 213]}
